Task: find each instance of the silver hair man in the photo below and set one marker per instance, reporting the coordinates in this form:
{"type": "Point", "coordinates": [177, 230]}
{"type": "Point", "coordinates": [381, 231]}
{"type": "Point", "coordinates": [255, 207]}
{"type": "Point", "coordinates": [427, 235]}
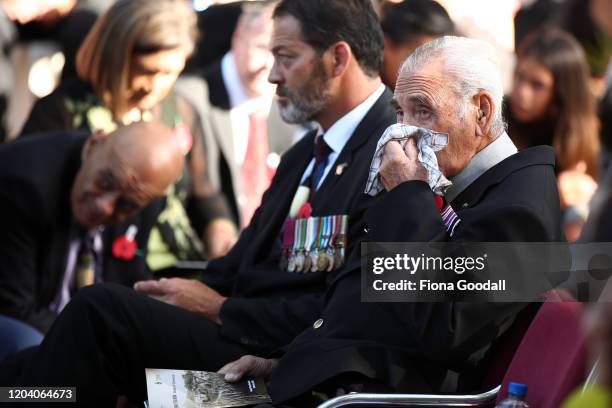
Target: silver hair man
{"type": "Point", "coordinates": [473, 64]}
{"type": "Point", "coordinates": [451, 85]}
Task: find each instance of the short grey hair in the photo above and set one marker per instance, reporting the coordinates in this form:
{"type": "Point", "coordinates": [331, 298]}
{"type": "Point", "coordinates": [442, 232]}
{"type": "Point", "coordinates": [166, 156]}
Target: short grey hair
{"type": "Point", "coordinates": [474, 66]}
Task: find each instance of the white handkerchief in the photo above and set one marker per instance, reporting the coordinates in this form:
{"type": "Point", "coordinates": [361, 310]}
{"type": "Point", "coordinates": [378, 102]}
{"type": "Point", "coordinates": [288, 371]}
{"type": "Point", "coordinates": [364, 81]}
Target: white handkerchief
{"type": "Point", "coordinates": [428, 142]}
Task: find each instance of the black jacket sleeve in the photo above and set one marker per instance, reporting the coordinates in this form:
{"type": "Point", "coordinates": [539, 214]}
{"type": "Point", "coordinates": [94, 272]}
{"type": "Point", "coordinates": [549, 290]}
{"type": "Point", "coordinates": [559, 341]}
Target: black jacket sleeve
{"type": "Point", "coordinates": [263, 322]}
{"type": "Point", "coordinates": [221, 272]}
{"type": "Point", "coordinates": [19, 246]}
{"type": "Point", "coordinates": [452, 331]}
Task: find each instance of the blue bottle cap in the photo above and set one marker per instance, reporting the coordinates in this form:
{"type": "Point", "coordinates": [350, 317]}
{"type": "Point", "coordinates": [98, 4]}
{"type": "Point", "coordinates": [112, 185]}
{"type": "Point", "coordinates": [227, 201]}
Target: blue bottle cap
{"type": "Point", "coordinates": [517, 389]}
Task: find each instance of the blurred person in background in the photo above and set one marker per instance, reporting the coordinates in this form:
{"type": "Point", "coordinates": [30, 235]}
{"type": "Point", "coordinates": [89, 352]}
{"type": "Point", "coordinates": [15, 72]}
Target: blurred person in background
{"type": "Point", "coordinates": [127, 66]}
{"type": "Point", "coordinates": [64, 23]}
{"type": "Point", "coordinates": [551, 104]}
{"type": "Point", "coordinates": [60, 194]}
{"type": "Point", "coordinates": [244, 132]}
{"type": "Point", "coordinates": [216, 24]}
{"type": "Point", "coordinates": [590, 22]}
{"type": "Point", "coordinates": [407, 25]}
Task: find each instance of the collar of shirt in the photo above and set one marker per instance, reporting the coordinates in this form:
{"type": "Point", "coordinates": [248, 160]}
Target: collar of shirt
{"type": "Point", "coordinates": [498, 150]}
{"type": "Point", "coordinates": [341, 131]}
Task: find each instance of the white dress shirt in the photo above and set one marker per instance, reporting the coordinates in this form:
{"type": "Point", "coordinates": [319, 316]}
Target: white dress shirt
{"type": "Point", "coordinates": [341, 131]}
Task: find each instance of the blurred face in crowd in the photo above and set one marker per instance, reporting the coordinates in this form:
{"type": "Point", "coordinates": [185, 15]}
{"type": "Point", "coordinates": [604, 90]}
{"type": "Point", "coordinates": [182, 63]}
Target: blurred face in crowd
{"type": "Point", "coordinates": [121, 173]}
{"type": "Point", "coordinates": [303, 84]}
{"type": "Point", "coordinates": [425, 99]}
{"type": "Point", "coordinates": [250, 46]}
{"type": "Point", "coordinates": [153, 75]}
{"type": "Point", "coordinates": [532, 92]}
{"type": "Point", "coordinates": [396, 54]}
{"type": "Point", "coordinates": [45, 12]}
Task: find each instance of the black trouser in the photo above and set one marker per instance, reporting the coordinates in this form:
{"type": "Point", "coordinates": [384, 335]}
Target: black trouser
{"type": "Point", "coordinates": [108, 334]}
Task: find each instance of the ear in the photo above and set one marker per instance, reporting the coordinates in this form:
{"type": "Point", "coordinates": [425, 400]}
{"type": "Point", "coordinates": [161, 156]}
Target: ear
{"type": "Point", "coordinates": [341, 56]}
{"type": "Point", "coordinates": [95, 140]}
{"type": "Point", "coordinates": [485, 108]}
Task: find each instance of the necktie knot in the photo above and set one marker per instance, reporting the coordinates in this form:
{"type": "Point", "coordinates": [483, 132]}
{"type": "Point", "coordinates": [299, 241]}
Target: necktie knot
{"type": "Point", "coordinates": [321, 149]}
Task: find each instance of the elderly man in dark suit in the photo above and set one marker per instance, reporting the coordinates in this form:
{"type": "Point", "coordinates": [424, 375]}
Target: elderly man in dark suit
{"type": "Point", "coordinates": [328, 55]}
{"type": "Point", "coordinates": [56, 191]}
{"type": "Point", "coordinates": [450, 85]}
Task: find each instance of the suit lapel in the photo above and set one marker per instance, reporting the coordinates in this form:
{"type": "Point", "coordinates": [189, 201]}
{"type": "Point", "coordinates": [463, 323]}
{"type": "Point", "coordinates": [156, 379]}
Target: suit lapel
{"type": "Point", "coordinates": [62, 217]}
{"type": "Point", "coordinates": [278, 213]}
{"type": "Point", "coordinates": [217, 94]}
{"type": "Point", "coordinates": [221, 122]}
{"type": "Point", "coordinates": [222, 128]}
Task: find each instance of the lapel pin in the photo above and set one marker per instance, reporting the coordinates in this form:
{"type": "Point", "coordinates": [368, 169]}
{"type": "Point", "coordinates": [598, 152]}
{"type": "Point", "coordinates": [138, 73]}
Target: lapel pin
{"type": "Point", "coordinates": [340, 168]}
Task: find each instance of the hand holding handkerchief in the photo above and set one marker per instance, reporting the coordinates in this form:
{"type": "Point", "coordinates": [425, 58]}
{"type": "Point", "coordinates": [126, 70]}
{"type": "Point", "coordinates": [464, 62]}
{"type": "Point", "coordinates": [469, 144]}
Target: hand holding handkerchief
{"type": "Point", "coordinates": [428, 142]}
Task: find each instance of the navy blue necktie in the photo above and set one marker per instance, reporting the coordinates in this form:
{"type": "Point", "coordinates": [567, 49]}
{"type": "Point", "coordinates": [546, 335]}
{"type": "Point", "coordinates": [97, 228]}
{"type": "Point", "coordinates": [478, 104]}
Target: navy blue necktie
{"type": "Point", "coordinates": [321, 155]}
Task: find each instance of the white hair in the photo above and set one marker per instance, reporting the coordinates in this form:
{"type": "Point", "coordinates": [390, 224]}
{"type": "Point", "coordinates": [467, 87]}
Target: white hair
{"type": "Point", "coordinates": [474, 66]}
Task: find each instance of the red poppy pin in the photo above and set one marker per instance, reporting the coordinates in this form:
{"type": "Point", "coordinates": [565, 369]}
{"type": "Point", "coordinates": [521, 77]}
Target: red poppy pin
{"type": "Point", "coordinates": [125, 246]}
{"type": "Point", "coordinates": [305, 210]}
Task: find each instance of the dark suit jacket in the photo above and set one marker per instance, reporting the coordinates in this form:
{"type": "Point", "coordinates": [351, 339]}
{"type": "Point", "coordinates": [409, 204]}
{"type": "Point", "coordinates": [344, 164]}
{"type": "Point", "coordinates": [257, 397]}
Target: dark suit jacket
{"type": "Point", "coordinates": [216, 26]}
{"type": "Point", "coordinates": [411, 346]}
{"type": "Point", "coordinates": [36, 177]}
{"type": "Point", "coordinates": [267, 306]}
{"type": "Point", "coordinates": [208, 94]}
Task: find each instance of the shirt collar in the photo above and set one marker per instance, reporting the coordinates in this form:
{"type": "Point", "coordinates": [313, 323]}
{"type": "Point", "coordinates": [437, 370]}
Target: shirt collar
{"type": "Point", "coordinates": [498, 150]}
{"type": "Point", "coordinates": [231, 80]}
{"type": "Point", "coordinates": [341, 131]}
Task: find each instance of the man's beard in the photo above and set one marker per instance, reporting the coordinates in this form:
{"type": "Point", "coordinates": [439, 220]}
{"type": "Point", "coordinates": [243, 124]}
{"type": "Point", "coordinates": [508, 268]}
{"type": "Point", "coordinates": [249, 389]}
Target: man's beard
{"type": "Point", "coordinates": [309, 101]}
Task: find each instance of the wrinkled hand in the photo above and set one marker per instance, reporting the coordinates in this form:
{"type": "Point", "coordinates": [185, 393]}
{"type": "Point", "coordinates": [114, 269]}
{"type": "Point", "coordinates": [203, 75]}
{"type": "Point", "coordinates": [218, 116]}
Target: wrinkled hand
{"type": "Point", "coordinates": [401, 165]}
{"type": "Point", "coordinates": [576, 187]}
{"type": "Point", "coordinates": [219, 237]}
{"type": "Point", "coordinates": [188, 294]}
{"type": "Point", "coordinates": [248, 366]}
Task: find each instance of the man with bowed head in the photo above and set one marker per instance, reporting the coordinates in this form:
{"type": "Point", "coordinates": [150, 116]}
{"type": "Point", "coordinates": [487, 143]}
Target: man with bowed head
{"type": "Point", "coordinates": [57, 190]}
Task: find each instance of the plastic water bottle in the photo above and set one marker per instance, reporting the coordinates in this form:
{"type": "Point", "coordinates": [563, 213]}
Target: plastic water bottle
{"type": "Point", "coordinates": [516, 397]}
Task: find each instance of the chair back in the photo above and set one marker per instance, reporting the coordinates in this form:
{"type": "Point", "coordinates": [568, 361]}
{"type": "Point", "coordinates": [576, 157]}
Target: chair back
{"type": "Point", "coordinates": [551, 358]}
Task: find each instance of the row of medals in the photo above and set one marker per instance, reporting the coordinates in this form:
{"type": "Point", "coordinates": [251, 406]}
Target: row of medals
{"type": "Point", "coordinates": [318, 259]}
